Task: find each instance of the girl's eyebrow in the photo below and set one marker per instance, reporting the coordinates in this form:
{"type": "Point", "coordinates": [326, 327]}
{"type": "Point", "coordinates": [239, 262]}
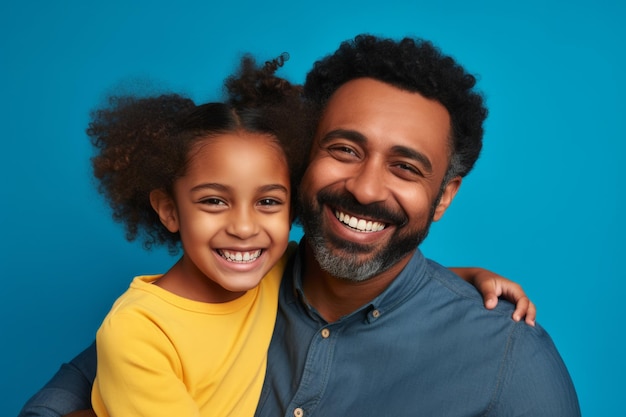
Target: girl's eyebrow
{"type": "Point", "coordinates": [361, 139]}
{"type": "Point", "coordinates": [224, 188]}
{"type": "Point", "coordinates": [210, 186]}
{"type": "Point", "coordinates": [274, 187]}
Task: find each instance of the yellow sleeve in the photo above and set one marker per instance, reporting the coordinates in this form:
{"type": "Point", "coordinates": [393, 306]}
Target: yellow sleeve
{"type": "Point", "coordinates": [139, 373]}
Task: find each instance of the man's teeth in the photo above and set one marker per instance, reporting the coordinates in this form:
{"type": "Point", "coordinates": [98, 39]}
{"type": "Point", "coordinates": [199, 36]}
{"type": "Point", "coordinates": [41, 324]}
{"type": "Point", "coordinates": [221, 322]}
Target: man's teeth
{"type": "Point", "coordinates": [234, 256]}
{"type": "Point", "coordinates": [359, 224]}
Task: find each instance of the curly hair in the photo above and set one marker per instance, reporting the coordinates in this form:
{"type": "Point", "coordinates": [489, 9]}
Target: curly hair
{"type": "Point", "coordinates": [144, 144]}
{"type": "Point", "coordinates": [413, 65]}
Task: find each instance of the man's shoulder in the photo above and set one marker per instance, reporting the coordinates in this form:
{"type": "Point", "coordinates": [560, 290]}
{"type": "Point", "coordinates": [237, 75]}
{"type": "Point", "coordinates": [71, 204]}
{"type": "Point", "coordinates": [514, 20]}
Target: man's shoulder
{"type": "Point", "coordinates": [455, 290]}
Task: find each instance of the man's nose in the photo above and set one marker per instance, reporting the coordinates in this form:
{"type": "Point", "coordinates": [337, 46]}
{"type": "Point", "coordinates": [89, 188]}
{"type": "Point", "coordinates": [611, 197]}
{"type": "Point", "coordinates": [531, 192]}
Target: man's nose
{"type": "Point", "coordinates": [368, 183]}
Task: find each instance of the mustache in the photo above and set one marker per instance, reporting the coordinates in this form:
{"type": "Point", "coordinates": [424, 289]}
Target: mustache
{"type": "Point", "coordinates": [346, 202]}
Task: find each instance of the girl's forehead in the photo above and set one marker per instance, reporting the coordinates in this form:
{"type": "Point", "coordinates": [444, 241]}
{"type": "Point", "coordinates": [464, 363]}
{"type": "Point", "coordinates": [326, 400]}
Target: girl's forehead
{"type": "Point", "coordinates": [222, 141]}
{"type": "Point", "coordinates": [238, 152]}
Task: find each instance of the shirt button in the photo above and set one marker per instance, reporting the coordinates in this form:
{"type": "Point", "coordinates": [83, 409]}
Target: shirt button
{"type": "Point", "coordinates": [375, 314]}
{"type": "Point", "coordinates": [325, 333]}
{"type": "Point", "coordinates": [298, 412]}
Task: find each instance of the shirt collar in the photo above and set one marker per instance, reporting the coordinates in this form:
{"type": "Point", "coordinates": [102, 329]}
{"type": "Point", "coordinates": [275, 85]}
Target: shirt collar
{"type": "Point", "coordinates": [410, 279]}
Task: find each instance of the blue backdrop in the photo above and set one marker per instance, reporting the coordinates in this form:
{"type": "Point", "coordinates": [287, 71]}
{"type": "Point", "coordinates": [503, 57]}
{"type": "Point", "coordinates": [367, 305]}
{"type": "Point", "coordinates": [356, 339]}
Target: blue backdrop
{"type": "Point", "coordinates": [542, 205]}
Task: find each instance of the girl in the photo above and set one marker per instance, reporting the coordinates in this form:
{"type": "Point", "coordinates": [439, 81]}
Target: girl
{"type": "Point", "coordinates": [216, 179]}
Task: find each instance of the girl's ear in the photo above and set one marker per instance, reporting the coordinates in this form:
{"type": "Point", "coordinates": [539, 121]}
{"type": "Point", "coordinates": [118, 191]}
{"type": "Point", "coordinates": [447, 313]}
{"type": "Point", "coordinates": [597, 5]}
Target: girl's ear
{"type": "Point", "coordinates": [165, 207]}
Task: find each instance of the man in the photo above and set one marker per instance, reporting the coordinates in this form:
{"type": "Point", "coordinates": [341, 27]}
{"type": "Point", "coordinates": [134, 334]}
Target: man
{"type": "Point", "coordinates": [366, 325]}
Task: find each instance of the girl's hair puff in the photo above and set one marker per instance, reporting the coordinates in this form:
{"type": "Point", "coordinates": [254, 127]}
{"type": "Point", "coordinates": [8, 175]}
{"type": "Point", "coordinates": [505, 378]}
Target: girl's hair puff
{"type": "Point", "coordinates": [135, 155]}
{"type": "Point", "coordinates": [265, 103]}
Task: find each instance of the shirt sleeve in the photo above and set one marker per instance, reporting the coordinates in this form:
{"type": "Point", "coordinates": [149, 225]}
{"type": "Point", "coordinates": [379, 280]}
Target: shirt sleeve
{"type": "Point", "coordinates": [69, 389]}
{"type": "Point", "coordinates": [139, 371]}
{"type": "Point", "coordinates": [535, 381]}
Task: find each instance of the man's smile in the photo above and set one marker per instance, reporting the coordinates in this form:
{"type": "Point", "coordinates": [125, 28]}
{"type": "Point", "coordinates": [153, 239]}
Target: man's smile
{"type": "Point", "coordinates": [359, 224]}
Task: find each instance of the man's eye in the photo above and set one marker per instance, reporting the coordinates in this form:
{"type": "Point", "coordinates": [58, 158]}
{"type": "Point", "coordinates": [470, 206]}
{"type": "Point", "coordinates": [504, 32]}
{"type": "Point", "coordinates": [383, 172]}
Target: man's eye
{"type": "Point", "coordinates": [409, 168]}
{"type": "Point", "coordinates": [341, 151]}
{"type": "Point", "coordinates": [344, 149]}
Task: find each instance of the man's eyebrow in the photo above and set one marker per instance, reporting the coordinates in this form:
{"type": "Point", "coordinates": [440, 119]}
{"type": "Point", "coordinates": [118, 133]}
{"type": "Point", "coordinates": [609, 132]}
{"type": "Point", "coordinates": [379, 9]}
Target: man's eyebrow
{"type": "Point", "coordinates": [351, 135]}
{"type": "Point", "coordinates": [413, 154]}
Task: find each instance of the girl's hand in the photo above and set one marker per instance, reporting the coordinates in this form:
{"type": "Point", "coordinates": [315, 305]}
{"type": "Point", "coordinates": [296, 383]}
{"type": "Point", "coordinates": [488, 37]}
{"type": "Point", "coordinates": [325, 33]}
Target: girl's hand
{"type": "Point", "coordinates": [492, 286]}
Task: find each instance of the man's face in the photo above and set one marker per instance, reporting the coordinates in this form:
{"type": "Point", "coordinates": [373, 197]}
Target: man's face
{"type": "Point", "coordinates": [374, 181]}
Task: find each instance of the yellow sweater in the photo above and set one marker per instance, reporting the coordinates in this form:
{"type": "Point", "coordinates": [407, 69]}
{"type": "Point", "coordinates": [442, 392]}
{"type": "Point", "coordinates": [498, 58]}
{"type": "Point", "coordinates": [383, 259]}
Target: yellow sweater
{"type": "Point", "coordinates": [163, 355]}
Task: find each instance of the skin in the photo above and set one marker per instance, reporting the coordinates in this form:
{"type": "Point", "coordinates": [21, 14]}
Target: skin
{"type": "Point", "coordinates": [227, 204]}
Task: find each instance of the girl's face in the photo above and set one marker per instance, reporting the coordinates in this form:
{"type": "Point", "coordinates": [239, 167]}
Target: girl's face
{"type": "Point", "coordinates": [232, 211]}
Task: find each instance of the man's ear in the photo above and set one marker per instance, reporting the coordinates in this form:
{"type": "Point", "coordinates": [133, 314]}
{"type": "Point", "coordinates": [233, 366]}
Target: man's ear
{"type": "Point", "coordinates": [446, 197]}
{"type": "Point", "coordinates": [165, 207]}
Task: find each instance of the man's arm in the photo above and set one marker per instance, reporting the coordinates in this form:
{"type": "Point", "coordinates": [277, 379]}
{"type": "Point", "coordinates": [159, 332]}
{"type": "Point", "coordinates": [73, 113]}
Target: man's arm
{"type": "Point", "coordinates": [69, 389]}
{"type": "Point", "coordinates": [534, 379]}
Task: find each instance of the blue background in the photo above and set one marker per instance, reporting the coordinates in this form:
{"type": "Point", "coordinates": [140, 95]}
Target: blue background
{"type": "Point", "coordinates": [541, 207]}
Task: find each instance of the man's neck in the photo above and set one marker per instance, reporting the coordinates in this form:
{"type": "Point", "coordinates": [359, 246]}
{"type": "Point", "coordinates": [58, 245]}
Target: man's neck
{"type": "Point", "coordinates": [333, 297]}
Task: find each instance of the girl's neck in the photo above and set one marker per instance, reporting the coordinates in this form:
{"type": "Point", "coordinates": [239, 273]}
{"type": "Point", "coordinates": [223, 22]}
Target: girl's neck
{"type": "Point", "coordinates": [185, 280]}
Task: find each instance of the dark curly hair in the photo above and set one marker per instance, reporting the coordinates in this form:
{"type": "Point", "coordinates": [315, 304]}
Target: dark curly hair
{"type": "Point", "coordinates": [412, 65]}
{"type": "Point", "coordinates": [143, 144]}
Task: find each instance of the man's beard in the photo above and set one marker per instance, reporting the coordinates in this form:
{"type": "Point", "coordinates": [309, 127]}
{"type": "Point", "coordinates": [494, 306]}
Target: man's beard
{"type": "Point", "coordinates": [344, 259]}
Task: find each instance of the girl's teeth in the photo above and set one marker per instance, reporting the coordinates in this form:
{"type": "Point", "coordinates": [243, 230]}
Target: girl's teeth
{"type": "Point", "coordinates": [233, 256]}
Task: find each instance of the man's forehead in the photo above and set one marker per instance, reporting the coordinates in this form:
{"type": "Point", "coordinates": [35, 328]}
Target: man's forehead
{"type": "Point", "coordinates": [377, 109]}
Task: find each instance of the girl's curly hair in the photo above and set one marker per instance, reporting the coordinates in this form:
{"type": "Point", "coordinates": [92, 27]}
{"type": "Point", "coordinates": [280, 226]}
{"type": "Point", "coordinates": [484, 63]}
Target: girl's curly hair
{"type": "Point", "coordinates": [143, 144]}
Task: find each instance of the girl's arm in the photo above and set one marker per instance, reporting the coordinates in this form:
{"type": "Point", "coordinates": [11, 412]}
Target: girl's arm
{"type": "Point", "coordinates": [138, 369]}
{"type": "Point", "coordinates": [492, 286]}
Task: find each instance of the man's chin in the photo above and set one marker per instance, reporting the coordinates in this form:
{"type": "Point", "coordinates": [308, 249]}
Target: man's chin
{"type": "Point", "coordinates": [347, 260]}
{"type": "Point", "coordinates": [347, 248]}
{"type": "Point", "coordinates": [351, 268]}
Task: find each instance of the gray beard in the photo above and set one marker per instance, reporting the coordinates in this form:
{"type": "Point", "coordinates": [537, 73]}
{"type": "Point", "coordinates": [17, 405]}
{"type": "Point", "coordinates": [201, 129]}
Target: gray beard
{"type": "Point", "coordinates": [341, 259]}
{"type": "Point", "coordinates": [347, 267]}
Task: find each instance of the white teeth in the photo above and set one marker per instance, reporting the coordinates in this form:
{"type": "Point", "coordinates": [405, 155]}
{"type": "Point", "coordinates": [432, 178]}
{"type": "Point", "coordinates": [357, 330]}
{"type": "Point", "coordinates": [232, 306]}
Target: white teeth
{"type": "Point", "coordinates": [353, 222]}
{"type": "Point", "coordinates": [240, 256]}
{"type": "Point", "coordinates": [359, 224]}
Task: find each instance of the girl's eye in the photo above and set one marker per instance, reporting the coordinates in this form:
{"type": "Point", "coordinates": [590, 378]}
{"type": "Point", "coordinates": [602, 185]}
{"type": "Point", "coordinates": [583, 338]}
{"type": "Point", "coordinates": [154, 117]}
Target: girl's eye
{"type": "Point", "coordinates": [212, 201]}
{"type": "Point", "coordinates": [269, 202]}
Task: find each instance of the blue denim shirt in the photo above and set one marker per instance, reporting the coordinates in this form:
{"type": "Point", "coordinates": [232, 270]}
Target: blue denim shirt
{"type": "Point", "coordinates": [426, 346]}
